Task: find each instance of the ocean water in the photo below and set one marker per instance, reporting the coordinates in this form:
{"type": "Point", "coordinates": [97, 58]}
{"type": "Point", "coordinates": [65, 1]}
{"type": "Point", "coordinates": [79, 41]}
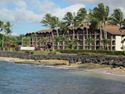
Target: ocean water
{"type": "Point", "coordinates": [34, 79]}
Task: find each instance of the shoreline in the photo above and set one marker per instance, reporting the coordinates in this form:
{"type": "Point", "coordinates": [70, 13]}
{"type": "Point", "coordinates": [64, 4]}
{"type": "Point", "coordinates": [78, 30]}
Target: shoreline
{"type": "Point", "coordinates": [63, 64]}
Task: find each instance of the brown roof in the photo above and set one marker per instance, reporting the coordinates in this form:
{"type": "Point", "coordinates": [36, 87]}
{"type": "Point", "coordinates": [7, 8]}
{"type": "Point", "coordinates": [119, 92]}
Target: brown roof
{"type": "Point", "coordinates": [45, 31]}
{"type": "Point", "coordinates": [114, 29]}
{"type": "Point", "coordinates": [42, 31]}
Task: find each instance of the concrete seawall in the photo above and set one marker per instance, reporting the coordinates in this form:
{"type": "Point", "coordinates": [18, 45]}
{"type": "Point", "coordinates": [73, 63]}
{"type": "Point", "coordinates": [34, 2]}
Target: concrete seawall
{"type": "Point", "coordinates": [97, 59]}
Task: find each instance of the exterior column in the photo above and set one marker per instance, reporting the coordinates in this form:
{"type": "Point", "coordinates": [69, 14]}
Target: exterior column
{"type": "Point", "coordinates": [53, 46]}
{"type": "Point", "coordinates": [111, 43]}
{"type": "Point", "coordinates": [63, 45]}
{"type": "Point", "coordinates": [100, 39]}
{"type": "Point", "coordinates": [95, 40]}
{"type": "Point", "coordinates": [22, 42]}
{"type": "Point", "coordinates": [77, 41]}
{"type": "Point", "coordinates": [87, 38]}
{"type": "Point", "coordinates": [36, 40]}
{"type": "Point", "coordinates": [106, 43]}
{"type": "Point", "coordinates": [29, 41]}
{"type": "Point", "coordinates": [83, 46]}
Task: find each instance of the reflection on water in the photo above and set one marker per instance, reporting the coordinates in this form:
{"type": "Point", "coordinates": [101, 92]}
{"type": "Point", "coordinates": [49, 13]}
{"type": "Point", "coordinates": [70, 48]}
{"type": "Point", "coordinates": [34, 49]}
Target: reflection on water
{"type": "Point", "coordinates": [30, 79]}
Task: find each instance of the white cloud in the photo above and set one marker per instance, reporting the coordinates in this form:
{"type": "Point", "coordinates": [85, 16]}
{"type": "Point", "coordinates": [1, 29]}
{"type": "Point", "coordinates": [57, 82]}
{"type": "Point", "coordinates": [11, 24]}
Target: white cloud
{"type": "Point", "coordinates": [111, 3]}
{"type": "Point", "coordinates": [22, 12]}
{"type": "Point", "coordinates": [82, 1]}
{"type": "Point", "coordinates": [19, 15]}
{"type": "Point", "coordinates": [73, 8]}
{"type": "Point", "coordinates": [21, 4]}
{"type": "Point", "coordinates": [34, 10]}
{"type": "Point", "coordinates": [14, 34]}
{"type": "Point", "coordinates": [44, 6]}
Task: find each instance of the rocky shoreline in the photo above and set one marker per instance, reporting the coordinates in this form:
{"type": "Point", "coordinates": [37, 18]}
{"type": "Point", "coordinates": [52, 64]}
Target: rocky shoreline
{"type": "Point", "coordinates": [114, 64]}
{"type": "Point", "coordinates": [115, 61]}
{"type": "Point", "coordinates": [62, 64]}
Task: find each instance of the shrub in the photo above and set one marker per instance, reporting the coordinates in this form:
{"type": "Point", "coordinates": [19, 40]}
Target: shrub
{"type": "Point", "coordinates": [29, 52]}
{"type": "Point", "coordinates": [93, 52]}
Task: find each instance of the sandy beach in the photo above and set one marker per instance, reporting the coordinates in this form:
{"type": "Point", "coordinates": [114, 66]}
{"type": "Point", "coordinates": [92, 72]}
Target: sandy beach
{"type": "Point", "coordinates": [63, 64]}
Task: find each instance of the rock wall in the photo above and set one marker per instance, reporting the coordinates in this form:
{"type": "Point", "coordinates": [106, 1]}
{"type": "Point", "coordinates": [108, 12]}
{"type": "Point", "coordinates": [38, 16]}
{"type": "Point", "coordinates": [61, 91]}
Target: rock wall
{"type": "Point", "coordinates": [97, 59]}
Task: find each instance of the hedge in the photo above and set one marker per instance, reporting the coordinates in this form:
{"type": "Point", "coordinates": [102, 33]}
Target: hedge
{"type": "Point", "coordinates": [93, 52]}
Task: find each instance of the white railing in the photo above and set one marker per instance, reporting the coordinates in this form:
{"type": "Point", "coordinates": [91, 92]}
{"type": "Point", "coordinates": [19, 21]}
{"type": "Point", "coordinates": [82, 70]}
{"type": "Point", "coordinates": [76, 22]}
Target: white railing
{"type": "Point", "coordinates": [27, 48]}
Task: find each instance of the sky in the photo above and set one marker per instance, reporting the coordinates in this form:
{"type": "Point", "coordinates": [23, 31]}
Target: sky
{"type": "Point", "coordinates": [25, 15]}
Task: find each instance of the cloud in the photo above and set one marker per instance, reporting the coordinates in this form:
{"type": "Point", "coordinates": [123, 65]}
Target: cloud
{"type": "Point", "coordinates": [20, 12]}
{"type": "Point", "coordinates": [44, 6]}
{"type": "Point", "coordinates": [19, 15]}
{"type": "Point", "coordinates": [62, 11]}
{"type": "Point", "coordinates": [83, 1]}
{"type": "Point", "coordinates": [21, 4]}
{"type": "Point", "coordinates": [111, 3]}
{"type": "Point", "coordinates": [23, 12]}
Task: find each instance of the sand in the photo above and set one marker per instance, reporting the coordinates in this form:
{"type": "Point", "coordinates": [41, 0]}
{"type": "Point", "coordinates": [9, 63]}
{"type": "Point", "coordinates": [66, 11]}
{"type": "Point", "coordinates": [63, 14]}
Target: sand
{"type": "Point", "coordinates": [64, 64]}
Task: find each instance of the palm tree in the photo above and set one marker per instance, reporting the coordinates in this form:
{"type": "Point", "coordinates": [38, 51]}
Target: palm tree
{"type": "Point", "coordinates": [101, 12]}
{"type": "Point", "coordinates": [81, 16]}
{"type": "Point", "coordinates": [43, 42]}
{"type": "Point", "coordinates": [106, 42]}
{"type": "Point", "coordinates": [1, 41]}
{"type": "Point", "coordinates": [5, 29]}
{"type": "Point", "coordinates": [26, 41]}
{"type": "Point", "coordinates": [90, 41]}
{"type": "Point", "coordinates": [71, 21]}
{"type": "Point", "coordinates": [100, 16]}
{"type": "Point", "coordinates": [124, 23]}
{"type": "Point", "coordinates": [70, 44]}
{"type": "Point", "coordinates": [117, 17]}
{"type": "Point", "coordinates": [58, 39]}
{"type": "Point", "coordinates": [52, 22]}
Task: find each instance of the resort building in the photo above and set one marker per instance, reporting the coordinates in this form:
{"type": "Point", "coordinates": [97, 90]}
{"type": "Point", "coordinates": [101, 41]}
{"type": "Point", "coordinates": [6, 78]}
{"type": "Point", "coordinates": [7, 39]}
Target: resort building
{"type": "Point", "coordinates": [108, 38]}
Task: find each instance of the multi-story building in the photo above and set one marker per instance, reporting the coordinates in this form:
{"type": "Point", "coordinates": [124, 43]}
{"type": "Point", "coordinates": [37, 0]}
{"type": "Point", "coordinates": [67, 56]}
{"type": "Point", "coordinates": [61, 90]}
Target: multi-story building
{"type": "Point", "coordinates": [108, 38]}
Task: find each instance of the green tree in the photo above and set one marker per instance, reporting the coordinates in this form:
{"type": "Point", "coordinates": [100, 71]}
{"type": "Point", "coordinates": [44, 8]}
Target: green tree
{"type": "Point", "coordinates": [106, 42]}
{"type": "Point", "coordinates": [5, 28]}
{"type": "Point", "coordinates": [58, 39]}
{"type": "Point", "coordinates": [71, 44]}
{"type": "Point", "coordinates": [101, 12]}
{"type": "Point", "coordinates": [99, 16]}
{"type": "Point", "coordinates": [90, 41]}
{"type": "Point", "coordinates": [52, 22]}
{"type": "Point", "coordinates": [81, 16]}
{"type": "Point", "coordinates": [26, 41]}
{"type": "Point", "coordinates": [71, 20]}
{"type": "Point", "coordinates": [117, 17]}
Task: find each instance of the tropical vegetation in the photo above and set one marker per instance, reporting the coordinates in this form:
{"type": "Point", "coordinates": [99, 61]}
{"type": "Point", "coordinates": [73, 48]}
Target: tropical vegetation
{"type": "Point", "coordinates": [96, 18]}
{"type": "Point", "coordinates": [8, 41]}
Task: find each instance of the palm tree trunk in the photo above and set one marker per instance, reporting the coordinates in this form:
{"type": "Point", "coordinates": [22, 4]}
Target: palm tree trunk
{"type": "Point", "coordinates": [2, 42]}
{"type": "Point", "coordinates": [87, 37]}
{"type": "Point", "coordinates": [53, 46]}
{"type": "Point", "coordinates": [63, 43]}
{"type": "Point", "coordinates": [77, 41]}
{"type": "Point", "coordinates": [73, 36]}
{"type": "Point", "coordinates": [58, 44]}
{"type": "Point", "coordinates": [94, 40]}
{"type": "Point", "coordinates": [101, 46]}
{"type": "Point", "coordinates": [83, 45]}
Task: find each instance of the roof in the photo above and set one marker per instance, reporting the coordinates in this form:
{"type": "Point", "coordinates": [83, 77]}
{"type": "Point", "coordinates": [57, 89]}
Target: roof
{"type": "Point", "coordinates": [114, 29]}
{"type": "Point", "coordinates": [45, 31]}
{"type": "Point", "coordinates": [41, 31]}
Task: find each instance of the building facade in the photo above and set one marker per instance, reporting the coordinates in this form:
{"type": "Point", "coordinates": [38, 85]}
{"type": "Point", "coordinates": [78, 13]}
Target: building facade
{"type": "Point", "coordinates": [108, 38]}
